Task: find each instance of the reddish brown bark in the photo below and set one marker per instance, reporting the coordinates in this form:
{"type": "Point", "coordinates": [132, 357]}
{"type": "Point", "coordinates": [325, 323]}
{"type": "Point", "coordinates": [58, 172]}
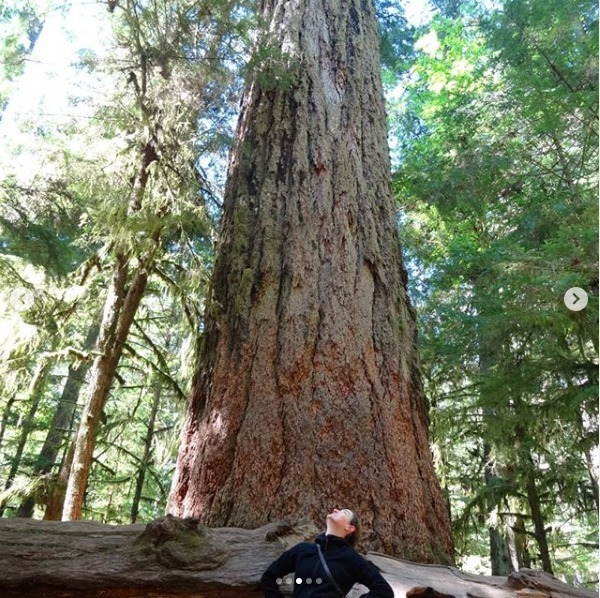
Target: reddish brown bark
{"type": "Point", "coordinates": [308, 392]}
{"type": "Point", "coordinates": [124, 295]}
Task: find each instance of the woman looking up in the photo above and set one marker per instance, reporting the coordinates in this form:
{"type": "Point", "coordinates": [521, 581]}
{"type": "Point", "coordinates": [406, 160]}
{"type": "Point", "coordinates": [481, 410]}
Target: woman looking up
{"type": "Point", "coordinates": [327, 567]}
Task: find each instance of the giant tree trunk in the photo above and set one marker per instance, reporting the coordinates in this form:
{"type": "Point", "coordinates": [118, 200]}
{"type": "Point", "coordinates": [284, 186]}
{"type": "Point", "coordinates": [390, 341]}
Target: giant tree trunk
{"type": "Point", "coordinates": [308, 392]}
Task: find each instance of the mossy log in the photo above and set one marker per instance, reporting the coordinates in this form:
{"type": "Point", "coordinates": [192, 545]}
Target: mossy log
{"type": "Point", "coordinates": [179, 557]}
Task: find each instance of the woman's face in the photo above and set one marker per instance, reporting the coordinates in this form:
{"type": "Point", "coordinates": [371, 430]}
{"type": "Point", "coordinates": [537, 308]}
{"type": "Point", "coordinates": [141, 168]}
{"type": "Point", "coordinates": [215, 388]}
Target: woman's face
{"type": "Point", "coordinates": [341, 518]}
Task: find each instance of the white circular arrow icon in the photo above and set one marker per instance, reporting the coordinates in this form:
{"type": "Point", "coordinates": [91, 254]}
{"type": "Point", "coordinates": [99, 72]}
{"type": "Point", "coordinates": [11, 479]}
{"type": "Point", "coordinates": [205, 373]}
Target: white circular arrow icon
{"type": "Point", "coordinates": [20, 299]}
{"type": "Point", "coordinates": [576, 299]}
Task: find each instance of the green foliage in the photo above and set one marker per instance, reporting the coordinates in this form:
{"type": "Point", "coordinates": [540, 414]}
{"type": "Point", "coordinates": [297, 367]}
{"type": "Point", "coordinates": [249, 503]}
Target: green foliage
{"type": "Point", "coordinates": [397, 37]}
{"type": "Point", "coordinates": [40, 223]}
{"type": "Point", "coordinates": [498, 177]}
{"type": "Point", "coordinates": [21, 22]}
{"type": "Point", "coordinates": [272, 68]}
{"type": "Point", "coordinates": [134, 180]}
{"type": "Point", "coordinates": [495, 131]}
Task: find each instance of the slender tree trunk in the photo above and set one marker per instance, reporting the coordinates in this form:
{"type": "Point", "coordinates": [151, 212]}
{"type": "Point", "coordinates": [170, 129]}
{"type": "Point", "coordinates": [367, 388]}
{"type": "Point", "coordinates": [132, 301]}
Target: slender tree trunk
{"type": "Point", "coordinates": [6, 415]}
{"type": "Point", "coordinates": [593, 477]}
{"type": "Point", "coordinates": [538, 523]}
{"type": "Point", "coordinates": [533, 499]}
{"type": "Point", "coordinates": [523, 556]}
{"type": "Point", "coordinates": [61, 421]}
{"type": "Point", "coordinates": [56, 497]}
{"type": "Point", "coordinates": [499, 550]}
{"type": "Point", "coordinates": [35, 393]}
{"type": "Point", "coordinates": [147, 456]}
{"type": "Point", "coordinates": [308, 393]}
{"type": "Point", "coordinates": [119, 311]}
{"type": "Point", "coordinates": [120, 308]}
{"type": "Point", "coordinates": [512, 545]}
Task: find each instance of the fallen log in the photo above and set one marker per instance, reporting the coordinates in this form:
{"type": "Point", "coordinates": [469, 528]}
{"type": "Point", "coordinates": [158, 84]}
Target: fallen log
{"type": "Point", "coordinates": [172, 557]}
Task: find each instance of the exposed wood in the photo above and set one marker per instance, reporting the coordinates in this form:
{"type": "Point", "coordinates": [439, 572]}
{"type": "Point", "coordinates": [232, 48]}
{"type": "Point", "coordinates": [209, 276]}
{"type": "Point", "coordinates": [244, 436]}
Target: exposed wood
{"type": "Point", "coordinates": [175, 557]}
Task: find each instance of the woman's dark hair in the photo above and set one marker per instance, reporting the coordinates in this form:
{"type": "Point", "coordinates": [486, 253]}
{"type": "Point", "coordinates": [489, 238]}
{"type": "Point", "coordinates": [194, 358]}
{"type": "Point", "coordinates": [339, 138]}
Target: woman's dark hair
{"type": "Point", "coordinates": [353, 537]}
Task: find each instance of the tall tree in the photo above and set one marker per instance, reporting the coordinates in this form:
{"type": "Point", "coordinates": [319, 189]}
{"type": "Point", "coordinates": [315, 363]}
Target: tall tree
{"type": "Point", "coordinates": [65, 226]}
{"type": "Point", "coordinates": [172, 52]}
{"type": "Point", "coordinates": [503, 221]}
{"type": "Point", "coordinates": [308, 392]}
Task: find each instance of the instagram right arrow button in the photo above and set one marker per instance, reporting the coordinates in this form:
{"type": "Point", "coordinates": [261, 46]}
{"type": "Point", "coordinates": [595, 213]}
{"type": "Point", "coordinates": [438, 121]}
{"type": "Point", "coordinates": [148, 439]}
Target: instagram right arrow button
{"type": "Point", "coordinates": [576, 299]}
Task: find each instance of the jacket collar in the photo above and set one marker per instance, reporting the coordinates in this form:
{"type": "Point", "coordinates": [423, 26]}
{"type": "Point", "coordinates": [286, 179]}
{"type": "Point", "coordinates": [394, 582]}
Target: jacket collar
{"type": "Point", "coordinates": [325, 539]}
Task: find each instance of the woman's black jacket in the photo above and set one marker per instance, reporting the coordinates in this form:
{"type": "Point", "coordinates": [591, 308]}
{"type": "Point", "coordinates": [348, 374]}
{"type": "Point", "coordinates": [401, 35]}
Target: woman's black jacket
{"type": "Point", "coordinates": [346, 565]}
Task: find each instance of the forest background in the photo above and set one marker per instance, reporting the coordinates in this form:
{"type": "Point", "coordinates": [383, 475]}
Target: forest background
{"type": "Point", "coordinates": [492, 115]}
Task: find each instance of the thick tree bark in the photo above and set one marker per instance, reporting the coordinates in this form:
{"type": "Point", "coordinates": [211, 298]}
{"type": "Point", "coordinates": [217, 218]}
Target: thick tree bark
{"type": "Point", "coordinates": [120, 308]}
{"type": "Point", "coordinates": [172, 557]}
{"type": "Point", "coordinates": [308, 393]}
{"type": "Point", "coordinates": [61, 423]}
